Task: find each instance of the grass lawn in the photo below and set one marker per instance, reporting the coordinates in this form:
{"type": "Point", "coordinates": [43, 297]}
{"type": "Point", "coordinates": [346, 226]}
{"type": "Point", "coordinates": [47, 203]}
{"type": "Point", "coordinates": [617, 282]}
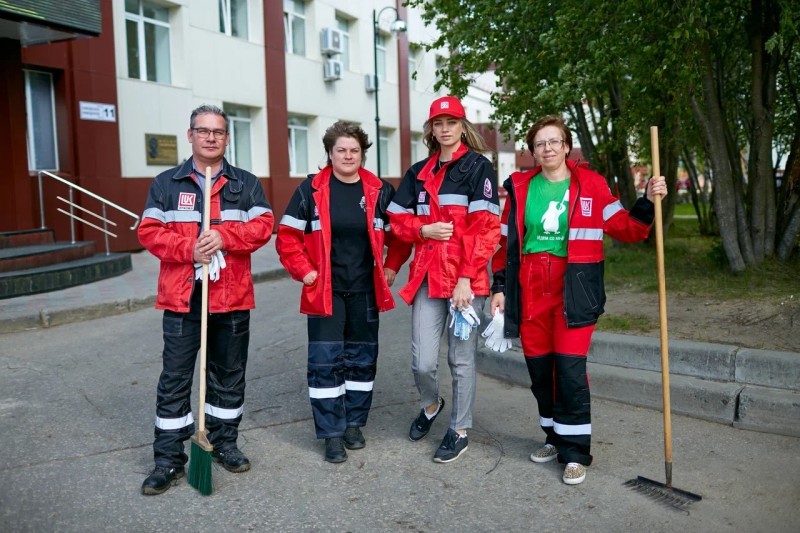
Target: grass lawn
{"type": "Point", "coordinates": [695, 266]}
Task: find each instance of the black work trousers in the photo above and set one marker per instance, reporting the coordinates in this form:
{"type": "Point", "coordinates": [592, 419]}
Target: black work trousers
{"type": "Point", "coordinates": [228, 340]}
{"type": "Point", "coordinates": [342, 360]}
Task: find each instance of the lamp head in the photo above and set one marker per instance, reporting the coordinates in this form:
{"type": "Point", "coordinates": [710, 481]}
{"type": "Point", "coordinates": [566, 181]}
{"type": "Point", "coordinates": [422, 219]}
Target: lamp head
{"type": "Point", "coordinates": [398, 26]}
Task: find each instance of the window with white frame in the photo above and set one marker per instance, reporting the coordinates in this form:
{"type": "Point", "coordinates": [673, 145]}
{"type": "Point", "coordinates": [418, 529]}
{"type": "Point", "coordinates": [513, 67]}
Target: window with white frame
{"type": "Point", "coordinates": [413, 58]}
{"type": "Point", "coordinates": [383, 141]}
{"type": "Point", "coordinates": [343, 25]}
{"type": "Point", "coordinates": [380, 52]}
{"type": "Point", "coordinates": [418, 150]}
{"type": "Point", "coordinates": [294, 26]}
{"type": "Point", "coordinates": [41, 121]}
{"type": "Point", "coordinates": [240, 144]}
{"type": "Point", "coordinates": [298, 146]}
{"type": "Point", "coordinates": [233, 18]}
{"type": "Point", "coordinates": [147, 29]}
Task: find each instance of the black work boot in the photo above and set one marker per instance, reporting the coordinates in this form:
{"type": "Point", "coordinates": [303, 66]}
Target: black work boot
{"type": "Point", "coordinates": [161, 479]}
{"type": "Point", "coordinates": [232, 459]}
{"type": "Point", "coordinates": [334, 450]}
{"type": "Point", "coordinates": [354, 439]}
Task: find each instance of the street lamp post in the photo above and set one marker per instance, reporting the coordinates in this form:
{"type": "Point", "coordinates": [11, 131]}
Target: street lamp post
{"type": "Point", "coordinates": [397, 26]}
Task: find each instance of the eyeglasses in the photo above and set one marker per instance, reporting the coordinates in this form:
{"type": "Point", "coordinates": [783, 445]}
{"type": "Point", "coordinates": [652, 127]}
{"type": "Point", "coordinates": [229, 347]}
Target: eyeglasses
{"type": "Point", "coordinates": [555, 144]}
{"type": "Point", "coordinates": [203, 133]}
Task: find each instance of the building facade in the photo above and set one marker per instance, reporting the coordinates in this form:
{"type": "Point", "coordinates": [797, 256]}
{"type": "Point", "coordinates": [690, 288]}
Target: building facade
{"type": "Point", "coordinates": [110, 112]}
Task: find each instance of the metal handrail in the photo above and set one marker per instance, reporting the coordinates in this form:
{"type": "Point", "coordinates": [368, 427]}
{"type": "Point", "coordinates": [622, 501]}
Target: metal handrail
{"type": "Point", "coordinates": [72, 205]}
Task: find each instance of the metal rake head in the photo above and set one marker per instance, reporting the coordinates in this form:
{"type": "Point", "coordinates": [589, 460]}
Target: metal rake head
{"type": "Point", "coordinates": [659, 492]}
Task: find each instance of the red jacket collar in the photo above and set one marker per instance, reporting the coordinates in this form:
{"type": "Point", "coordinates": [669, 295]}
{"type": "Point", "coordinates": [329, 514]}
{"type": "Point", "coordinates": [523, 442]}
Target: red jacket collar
{"type": "Point", "coordinates": [427, 170]}
{"type": "Point", "coordinates": [323, 178]}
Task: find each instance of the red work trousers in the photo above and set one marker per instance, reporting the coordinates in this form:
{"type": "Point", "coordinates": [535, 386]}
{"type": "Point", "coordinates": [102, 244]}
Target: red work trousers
{"type": "Point", "coordinates": [556, 358]}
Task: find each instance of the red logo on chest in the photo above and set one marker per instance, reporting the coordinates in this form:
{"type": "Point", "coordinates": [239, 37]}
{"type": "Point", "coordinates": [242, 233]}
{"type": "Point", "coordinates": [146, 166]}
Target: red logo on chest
{"type": "Point", "coordinates": [186, 201]}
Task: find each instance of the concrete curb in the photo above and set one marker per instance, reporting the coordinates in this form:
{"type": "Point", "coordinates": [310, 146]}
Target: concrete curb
{"type": "Point", "coordinates": [744, 388]}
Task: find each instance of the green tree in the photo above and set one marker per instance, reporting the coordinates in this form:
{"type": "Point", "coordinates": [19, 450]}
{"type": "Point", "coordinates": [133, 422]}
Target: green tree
{"type": "Point", "coordinates": [713, 75]}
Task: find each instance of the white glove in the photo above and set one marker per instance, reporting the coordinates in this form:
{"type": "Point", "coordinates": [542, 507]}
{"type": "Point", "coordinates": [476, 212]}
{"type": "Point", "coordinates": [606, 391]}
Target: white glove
{"type": "Point", "coordinates": [217, 263]}
{"type": "Point", "coordinates": [463, 321]}
{"type": "Point", "coordinates": [495, 339]}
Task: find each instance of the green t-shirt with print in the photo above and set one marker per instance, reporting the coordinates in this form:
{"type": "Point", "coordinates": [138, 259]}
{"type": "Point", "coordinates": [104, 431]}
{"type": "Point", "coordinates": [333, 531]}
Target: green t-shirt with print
{"type": "Point", "coordinates": [546, 209]}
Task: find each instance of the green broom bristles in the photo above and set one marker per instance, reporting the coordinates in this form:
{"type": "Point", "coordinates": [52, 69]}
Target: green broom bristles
{"type": "Point", "coordinates": [200, 467]}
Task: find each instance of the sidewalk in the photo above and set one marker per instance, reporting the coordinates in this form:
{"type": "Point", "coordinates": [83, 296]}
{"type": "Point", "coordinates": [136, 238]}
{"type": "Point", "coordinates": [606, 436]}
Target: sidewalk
{"type": "Point", "coordinates": [749, 389]}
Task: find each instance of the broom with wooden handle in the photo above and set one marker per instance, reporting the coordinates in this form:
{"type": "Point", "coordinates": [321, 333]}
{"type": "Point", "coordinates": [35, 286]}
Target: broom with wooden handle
{"type": "Point", "coordinates": [663, 492]}
{"type": "Point", "coordinates": [200, 455]}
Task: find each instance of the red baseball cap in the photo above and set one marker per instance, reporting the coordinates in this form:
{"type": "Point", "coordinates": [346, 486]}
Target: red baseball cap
{"type": "Point", "coordinates": [446, 105]}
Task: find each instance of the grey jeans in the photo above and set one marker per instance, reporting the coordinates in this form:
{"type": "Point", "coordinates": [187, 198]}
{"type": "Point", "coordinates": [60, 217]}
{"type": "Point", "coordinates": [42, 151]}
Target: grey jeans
{"type": "Point", "coordinates": [429, 318]}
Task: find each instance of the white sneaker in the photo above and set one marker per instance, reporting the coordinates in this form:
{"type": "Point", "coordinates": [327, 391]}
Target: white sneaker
{"type": "Point", "coordinates": [574, 473]}
{"type": "Point", "coordinates": [544, 454]}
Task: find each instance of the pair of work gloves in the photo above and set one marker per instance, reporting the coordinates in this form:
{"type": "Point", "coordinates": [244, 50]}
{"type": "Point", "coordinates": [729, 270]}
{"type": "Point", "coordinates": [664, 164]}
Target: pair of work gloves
{"type": "Point", "coordinates": [217, 263]}
{"type": "Point", "coordinates": [463, 321]}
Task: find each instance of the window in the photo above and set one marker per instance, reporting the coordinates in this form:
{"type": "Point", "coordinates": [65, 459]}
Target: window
{"type": "Point", "coordinates": [343, 25]}
{"type": "Point", "coordinates": [298, 146]}
{"type": "Point", "coordinates": [147, 29]}
{"type": "Point", "coordinates": [240, 145]}
{"type": "Point", "coordinates": [380, 52]}
{"type": "Point", "coordinates": [440, 63]}
{"type": "Point", "coordinates": [41, 115]}
{"type": "Point", "coordinates": [294, 26]}
{"type": "Point", "coordinates": [233, 18]}
{"type": "Point", "coordinates": [418, 151]}
{"type": "Point", "coordinates": [383, 141]}
{"type": "Point", "coordinates": [413, 55]}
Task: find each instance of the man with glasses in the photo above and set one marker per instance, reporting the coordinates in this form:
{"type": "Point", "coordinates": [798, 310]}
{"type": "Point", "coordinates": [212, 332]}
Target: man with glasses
{"type": "Point", "coordinates": [171, 229]}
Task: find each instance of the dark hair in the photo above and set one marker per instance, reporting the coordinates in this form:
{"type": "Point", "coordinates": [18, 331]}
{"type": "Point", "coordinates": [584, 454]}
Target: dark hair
{"type": "Point", "coordinates": [343, 128]}
{"type": "Point", "coordinates": [470, 137]}
{"type": "Point", "coordinates": [549, 120]}
{"type": "Point", "coordinates": [206, 109]}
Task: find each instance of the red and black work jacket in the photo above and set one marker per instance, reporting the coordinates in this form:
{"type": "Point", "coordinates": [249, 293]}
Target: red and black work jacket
{"type": "Point", "coordinates": [304, 239]}
{"type": "Point", "coordinates": [172, 222]}
{"type": "Point", "coordinates": [464, 192]}
{"type": "Point", "coordinates": [593, 212]}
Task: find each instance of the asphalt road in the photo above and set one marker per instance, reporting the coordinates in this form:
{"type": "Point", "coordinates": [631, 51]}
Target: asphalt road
{"type": "Point", "coordinates": [77, 406]}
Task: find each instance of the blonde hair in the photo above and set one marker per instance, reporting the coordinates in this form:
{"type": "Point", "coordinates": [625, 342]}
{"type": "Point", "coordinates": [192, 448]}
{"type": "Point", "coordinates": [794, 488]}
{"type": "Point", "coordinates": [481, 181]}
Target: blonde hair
{"type": "Point", "coordinates": [470, 137]}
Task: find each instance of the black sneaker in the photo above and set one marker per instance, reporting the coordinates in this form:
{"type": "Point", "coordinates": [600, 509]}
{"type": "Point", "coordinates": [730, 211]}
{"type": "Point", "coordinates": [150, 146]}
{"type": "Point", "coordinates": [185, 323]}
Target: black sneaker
{"type": "Point", "coordinates": [354, 439]}
{"type": "Point", "coordinates": [421, 425]}
{"type": "Point", "coordinates": [451, 448]}
{"type": "Point", "coordinates": [334, 450]}
{"type": "Point", "coordinates": [232, 459]}
{"type": "Point", "coordinates": [161, 479]}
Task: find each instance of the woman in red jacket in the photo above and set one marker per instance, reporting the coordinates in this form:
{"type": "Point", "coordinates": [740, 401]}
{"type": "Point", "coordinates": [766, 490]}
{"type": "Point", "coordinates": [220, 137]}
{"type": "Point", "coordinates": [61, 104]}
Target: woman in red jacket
{"type": "Point", "coordinates": [338, 255]}
{"type": "Point", "coordinates": [548, 278]}
{"type": "Point", "coordinates": [447, 207]}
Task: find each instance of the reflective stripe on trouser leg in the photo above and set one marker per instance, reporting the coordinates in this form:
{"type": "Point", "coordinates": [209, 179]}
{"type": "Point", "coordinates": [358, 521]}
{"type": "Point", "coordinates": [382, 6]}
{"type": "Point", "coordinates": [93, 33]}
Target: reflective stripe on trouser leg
{"type": "Point", "coordinates": [572, 418]}
{"type": "Point", "coordinates": [428, 320]}
{"type": "Point", "coordinates": [228, 340]}
{"type": "Point", "coordinates": [360, 356]}
{"type": "Point", "coordinates": [174, 422]}
{"type": "Point", "coordinates": [540, 369]}
{"type": "Point", "coordinates": [461, 359]}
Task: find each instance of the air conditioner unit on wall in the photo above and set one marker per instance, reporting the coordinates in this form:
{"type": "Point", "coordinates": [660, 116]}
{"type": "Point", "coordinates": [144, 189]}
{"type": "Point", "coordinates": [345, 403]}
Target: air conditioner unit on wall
{"type": "Point", "coordinates": [331, 41]}
{"type": "Point", "coordinates": [332, 70]}
{"type": "Point", "coordinates": [371, 82]}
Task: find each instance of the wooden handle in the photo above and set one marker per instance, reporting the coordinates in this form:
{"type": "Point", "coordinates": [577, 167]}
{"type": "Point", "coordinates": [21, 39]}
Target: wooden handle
{"type": "Point", "coordinates": [201, 416]}
{"type": "Point", "coordinates": [662, 311]}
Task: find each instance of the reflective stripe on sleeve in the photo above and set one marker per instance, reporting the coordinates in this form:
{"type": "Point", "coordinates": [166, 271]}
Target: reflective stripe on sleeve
{"type": "Point", "coordinates": [292, 222]}
{"type": "Point", "coordinates": [612, 209]}
{"type": "Point", "coordinates": [398, 209]}
{"type": "Point", "coordinates": [484, 205]}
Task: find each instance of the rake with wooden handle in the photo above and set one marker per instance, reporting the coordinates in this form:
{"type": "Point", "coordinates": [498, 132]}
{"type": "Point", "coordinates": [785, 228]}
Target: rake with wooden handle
{"type": "Point", "coordinates": [200, 455]}
{"type": "Point", "coordinates": [662, 492]}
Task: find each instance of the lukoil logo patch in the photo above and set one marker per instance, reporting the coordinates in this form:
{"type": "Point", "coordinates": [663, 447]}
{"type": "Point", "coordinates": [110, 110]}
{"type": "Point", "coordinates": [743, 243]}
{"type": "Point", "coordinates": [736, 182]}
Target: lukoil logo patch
{"type": "Point", "coordinates": [186, 201]}
{"type": "Point", "coordinates": [586, 207]}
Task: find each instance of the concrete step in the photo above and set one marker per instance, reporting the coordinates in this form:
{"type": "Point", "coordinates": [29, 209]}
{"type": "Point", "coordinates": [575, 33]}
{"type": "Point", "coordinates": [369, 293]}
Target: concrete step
{"type": "Point", "coordinates": [9, 239]}
{"type": "Point", "coordinates": [39, 255]}
{"type": "Point", "coordinates": [63, 275]}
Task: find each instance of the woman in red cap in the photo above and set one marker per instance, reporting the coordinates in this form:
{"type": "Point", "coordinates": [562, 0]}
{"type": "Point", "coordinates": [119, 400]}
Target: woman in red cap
{"type": "Point", "coordinates": [447, 207]}
{"type": "Point", "coordinates": [548, 280]}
